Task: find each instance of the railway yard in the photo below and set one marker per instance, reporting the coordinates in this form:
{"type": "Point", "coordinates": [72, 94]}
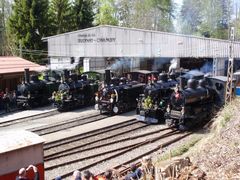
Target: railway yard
{"type": "Point", "coordinates": [88, 140]}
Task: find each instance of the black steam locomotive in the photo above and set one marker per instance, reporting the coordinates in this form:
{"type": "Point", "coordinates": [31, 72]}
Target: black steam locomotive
{"type": "Point", "coordinates": [34, 92]}
{"type": "Point", "coordinates": [196, 103]}
{"type": "Point", "coordinates": [117, 95]}
{"type": "Point", "coordinates": [151, 105]}
{"type": "Point", "coordinates": [75, 92]}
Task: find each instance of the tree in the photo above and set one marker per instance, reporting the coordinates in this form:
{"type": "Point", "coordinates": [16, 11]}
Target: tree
{"type": "Point", "coordinates": [61, 16]}
{"type": "Point", "coordinates": [146, 14]}
{"type": "Point", "coordinates": [27, 25]}
{"type": "Point", "coordinates": [5, 8]}
{"type": "Point", "coordinates": [191, 17]}
{"type": "Point", "coordinates": [106, 13]}
{"type": "Point", "coordinates": [125, 9]}
{"type": "Point", "coordinates": [83, 14]}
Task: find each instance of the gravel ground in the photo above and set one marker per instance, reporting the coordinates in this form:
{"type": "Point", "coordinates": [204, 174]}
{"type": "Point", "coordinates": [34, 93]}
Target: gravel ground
{"type": "Point", "coordinates": [51, 119]}
{"type": "Point", "coordinates": [90, 139]}
{"type": "Point", "coordinates": [116, 161]}
{"type": "Point", "coordinates": [101, 149]}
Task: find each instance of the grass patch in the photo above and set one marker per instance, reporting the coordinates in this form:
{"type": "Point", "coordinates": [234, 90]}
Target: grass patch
{"type": "Point", "coordinates": [225, 115]}
{"type": "Point", "coordinates": [180, 150]}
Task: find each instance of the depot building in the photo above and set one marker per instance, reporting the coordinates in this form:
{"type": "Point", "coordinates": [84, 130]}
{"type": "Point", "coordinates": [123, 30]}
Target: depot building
{"type": "Point", "coordinates": [128, 49]}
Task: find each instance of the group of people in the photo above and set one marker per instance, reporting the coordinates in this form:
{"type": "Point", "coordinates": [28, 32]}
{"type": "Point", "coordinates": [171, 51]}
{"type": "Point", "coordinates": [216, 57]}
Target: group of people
{"type": "Point", "coordinates": [7, 100]}
{"type": "Point", "coordinates": [145, 172]}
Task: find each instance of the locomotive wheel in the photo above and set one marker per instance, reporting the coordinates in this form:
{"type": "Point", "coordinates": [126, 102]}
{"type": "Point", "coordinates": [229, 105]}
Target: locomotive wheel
{"type": "Point", "coordinates": [182, 127]}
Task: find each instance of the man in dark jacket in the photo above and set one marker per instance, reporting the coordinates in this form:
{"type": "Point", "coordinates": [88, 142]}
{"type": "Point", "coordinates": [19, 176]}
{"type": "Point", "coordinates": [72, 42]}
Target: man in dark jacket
{"type": "Point", "coordinates": [23, 173]}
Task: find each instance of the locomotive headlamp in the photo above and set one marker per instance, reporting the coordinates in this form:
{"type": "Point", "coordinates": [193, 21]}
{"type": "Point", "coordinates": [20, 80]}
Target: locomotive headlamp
{"type": "Point", "coordinates": [168, 108]}
{"type": "Point", "coordinates": [115, 109]}
{"type": "Point", "coordinates": [111, 100]}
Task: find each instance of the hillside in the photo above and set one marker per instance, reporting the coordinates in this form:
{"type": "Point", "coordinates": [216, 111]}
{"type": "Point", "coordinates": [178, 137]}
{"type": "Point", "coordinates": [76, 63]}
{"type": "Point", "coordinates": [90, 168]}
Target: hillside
{"type": "Point", "coordinates": [214, 151]}
{"type": "Point", "coordinates": [218, 153]}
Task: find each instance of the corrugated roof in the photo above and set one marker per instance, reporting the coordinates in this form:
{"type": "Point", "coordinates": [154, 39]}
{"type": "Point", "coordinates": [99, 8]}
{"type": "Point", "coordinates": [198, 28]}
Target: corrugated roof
{"type": "Point", "coordinates": [17, 65]}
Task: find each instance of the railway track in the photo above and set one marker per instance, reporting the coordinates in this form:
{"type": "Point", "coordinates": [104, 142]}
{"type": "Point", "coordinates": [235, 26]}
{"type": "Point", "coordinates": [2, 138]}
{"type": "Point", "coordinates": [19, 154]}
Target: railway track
{"type": "Point", "coordinates": [92, 140]}
{"type": "Point", "coordinates": [28, 118]}
{"type": "Point", "coordinates": [123, 171]}
{"type": "Point", "coordinates": [94, 133]}
{"type": "Point", "coordinates": [91, 152]}
{"type": "Point", "coordinates": [47, 129]}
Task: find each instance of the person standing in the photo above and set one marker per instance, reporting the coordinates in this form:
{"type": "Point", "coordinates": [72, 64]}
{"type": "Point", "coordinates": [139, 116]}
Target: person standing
{"type": "Point", "coordinates": [22, 173]}
{"type": "Point", "coordinates": [6, 100]}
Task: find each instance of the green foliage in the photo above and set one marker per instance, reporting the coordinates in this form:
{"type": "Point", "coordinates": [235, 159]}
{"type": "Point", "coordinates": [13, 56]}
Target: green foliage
{"type": "Point", "coordinates": [181, 149]}
{"type": "Point", "coordinates": [146, 14]}
{"type": "Point", "coordinates": [61, 15]}
{"type": "Point", "coordinates": [83, 13]}
{"type": "Point", "coordinates": [27, 25]}
{"type": "Point", "coordinates": [191, 16]}
{"type": "Point", "coordinates": [208, 18]}
{"type": "Point", "coordinates": [148, 103]}
{"type": "Point", "coordinates": [106, 13]}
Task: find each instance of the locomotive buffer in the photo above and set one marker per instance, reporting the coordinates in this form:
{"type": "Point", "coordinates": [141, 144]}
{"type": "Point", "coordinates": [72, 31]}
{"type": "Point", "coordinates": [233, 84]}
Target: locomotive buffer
{"type": "Point", "coordinates": [229, 95]}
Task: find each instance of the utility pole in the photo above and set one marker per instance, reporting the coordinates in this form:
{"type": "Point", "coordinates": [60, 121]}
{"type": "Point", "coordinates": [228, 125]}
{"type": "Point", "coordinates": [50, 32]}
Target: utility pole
{"type": "Point", "coordinates": [228, 95]}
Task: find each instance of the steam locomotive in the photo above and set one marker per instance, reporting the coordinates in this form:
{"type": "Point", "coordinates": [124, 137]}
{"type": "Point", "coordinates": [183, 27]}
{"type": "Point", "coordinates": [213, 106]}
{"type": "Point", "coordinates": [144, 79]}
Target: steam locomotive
{"type": "Point", "coordinates": [196, 103]}
{"type": "Point", "coordinates": [75, 92]}
{"type": "Point", "coordinates": [151, 105]}
{"type": "Point", "coordinates": [117, 95]}
{"type": "Point", "coordinates": [34, 92]}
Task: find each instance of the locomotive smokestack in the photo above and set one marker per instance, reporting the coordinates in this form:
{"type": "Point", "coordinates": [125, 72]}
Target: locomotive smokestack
{"type": "Point", "coordinates": [107, 76]}
{"type": "Point", "coordinates": [26, 75]}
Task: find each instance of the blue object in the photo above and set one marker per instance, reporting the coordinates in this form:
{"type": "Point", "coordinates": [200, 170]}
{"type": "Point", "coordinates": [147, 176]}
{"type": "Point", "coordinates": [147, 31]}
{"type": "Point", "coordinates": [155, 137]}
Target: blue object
{"type": "Point", "coordinates": [238, 91]}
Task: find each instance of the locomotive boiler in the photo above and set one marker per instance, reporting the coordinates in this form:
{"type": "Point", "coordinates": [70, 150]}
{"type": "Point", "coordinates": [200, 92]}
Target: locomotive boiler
{"type": "Point", "coordinates": [117, 95]}
{"type": "Point", "coordinates": [151, 105]}
{"type": "Point", "coordinates": [74, 92]}
{"type": "Point", "coordinates": [34, 92]}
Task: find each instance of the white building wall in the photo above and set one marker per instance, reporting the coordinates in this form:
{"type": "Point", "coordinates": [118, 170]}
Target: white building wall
{"type": "Point", "coordinates": [110, 41]}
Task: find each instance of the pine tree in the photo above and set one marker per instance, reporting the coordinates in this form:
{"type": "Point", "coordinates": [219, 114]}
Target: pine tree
{"type": "Point", "coordinates": [83, 14]}
{"type": "Point", "coordinates": [27, 25]}
{"type": "Point", "coordinates": [61, 16]}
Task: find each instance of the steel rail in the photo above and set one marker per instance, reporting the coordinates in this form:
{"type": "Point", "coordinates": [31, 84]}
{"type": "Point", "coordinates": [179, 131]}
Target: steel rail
{"type": "Point", "coordinates": [67, 124]}
{"type": "Point", "coordinates": [125, 151]}
{"type": "Point", "coordinates": [82, 136]}
{"type": "Point", "coordinates": [28, 118]}
{"type": "Point", "coordinates": [128, 148]}
{"type": "Point", "coordinates": [138, 163]}
{"type": "Point", "coordinates": [71, 150]}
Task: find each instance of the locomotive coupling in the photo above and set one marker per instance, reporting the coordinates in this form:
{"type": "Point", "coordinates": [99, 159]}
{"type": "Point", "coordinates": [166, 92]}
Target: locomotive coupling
{"type": "Point", "coordinates": [183, 111]}
{"type": "Point", "coordinates": [96, 107]}
{"type": "Point", "coordinates": [96, 98]}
